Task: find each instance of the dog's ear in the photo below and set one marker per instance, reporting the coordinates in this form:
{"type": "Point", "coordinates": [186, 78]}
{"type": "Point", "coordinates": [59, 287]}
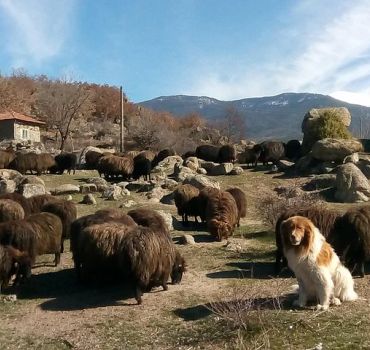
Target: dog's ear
{"type": "Point", "coordinates": [309, 228]}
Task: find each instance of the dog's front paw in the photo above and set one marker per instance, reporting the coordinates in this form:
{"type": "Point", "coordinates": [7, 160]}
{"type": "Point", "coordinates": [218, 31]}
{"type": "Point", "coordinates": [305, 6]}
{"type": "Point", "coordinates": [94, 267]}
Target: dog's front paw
{"type": "Point", "coordinates": [336, 302]}
{"type": "Point", "coordinates": [320, 307]}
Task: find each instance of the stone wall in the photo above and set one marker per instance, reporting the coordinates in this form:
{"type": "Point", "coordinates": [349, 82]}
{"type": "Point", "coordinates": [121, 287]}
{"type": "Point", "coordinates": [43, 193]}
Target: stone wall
{"type": "Point", "coordinates": [23, 132]}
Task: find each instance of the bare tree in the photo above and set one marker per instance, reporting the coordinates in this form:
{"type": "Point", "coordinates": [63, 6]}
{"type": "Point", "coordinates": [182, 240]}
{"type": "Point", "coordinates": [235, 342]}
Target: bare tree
{"type": "Point", "coordinates": [62, 101]}
{"type": "Point", "coordinates": [232, 125]}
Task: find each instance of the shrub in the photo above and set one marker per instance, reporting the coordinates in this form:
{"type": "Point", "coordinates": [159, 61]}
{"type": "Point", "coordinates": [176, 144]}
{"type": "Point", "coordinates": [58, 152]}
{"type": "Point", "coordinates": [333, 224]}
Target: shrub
{"type": "Point", "coordinates": [329, 125]}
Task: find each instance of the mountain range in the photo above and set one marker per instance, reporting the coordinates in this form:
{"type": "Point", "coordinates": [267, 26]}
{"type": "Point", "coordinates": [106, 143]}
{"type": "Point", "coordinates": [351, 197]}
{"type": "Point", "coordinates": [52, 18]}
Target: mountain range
{"type": "Point", "coordinates": [270, 117]}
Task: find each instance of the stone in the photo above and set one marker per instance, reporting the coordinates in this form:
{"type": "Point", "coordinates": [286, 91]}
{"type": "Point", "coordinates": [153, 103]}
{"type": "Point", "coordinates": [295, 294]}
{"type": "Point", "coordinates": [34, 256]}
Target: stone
{"type": "Point", "coordinates": [201, 181]}
{"type": "Point", "coordinates": [100, 183]}
{"type": "Point", "coordinates": [319, 182]}
{"type": "Point", "coordinates": [89, 199]}
{"type": "Point", "coordinates": [65, 189]}
{"type": "Point", "coordinates": [10, 174]}
{"type": "Point", "coordinates": [169, 184]}
{"type": "Point", "coordinates": [335, 149]}
{"type": "Point", "coordinates": [284, 165]}
{"type": "Point", "coordinates": [168, 199]}
{"type": "Point", "coordinates": [68, 198]}
{"type": "Point", "coordinates": [156, 194]}
{"type": "Point", "coordinates": [221, 169]}
{"type": "Point", "coordinates": [322, 168]}
{"type": "Point", "coordinates": [207, 165]}
{"type": "Point", "coordinates": [32, 179]}
{"type": "Point", "coordinates": [88, 188]}
{"type": "Point", "coordinates": [113, 193]}
{"type": "Point", "coordinates": [128, 204]}
{"type": "Point", "coordinates": [140, 186]}
{"type": "Point", "coordinates": [182, 172]}
{"type": "Point", "coordinates": [123, 184]}
{"type": "Point", "coordinates": [310, 120]}
{"type": "Point", "coordinates": [305, 163]}
{"type": "Point", "coordinates": [288, 191]}
{"type": "Point", "coordinates": [168, 219]}
{"type": "Point", "coordinates": [30, 190]}
{"type": "Point", "coordinates": [7, 186]}
{"type": "Point", "coordinates": [202, 171]}
{"type": "Point", "coordinates": [187, 239]}
{"type": "Point", "coordinates": [237, 170]}
{"type": "Point", "coordinates": [364, 166]}
{"type": "Point", "coordinates": [192, 163]}
{"type": "Point", "coordinates": [351, 184]}
{"type": "Point", "coordinates": [167, 165]}
{"type": "Point", "coordinates": [353, 158]}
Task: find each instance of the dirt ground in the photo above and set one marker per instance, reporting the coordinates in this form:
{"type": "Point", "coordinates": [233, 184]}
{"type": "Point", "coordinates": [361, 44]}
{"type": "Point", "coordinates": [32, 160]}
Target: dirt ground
{"type": "Point", "coordinates": [251, 308]}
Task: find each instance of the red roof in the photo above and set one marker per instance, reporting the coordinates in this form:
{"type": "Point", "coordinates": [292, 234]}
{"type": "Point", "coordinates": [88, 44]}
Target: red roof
{"type": "Point", "coordinates": [19, 117]}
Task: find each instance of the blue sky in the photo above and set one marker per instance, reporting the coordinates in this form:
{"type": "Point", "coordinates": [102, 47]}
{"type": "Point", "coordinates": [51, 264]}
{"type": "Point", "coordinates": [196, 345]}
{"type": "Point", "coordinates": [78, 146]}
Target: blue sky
{"type": "Point", "coordinates": [219, 48]}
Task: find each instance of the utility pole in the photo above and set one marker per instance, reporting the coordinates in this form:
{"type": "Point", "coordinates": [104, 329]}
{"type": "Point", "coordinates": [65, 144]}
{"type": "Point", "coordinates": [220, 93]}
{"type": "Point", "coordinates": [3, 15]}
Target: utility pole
{"type": "Point", "coordinates": [122, 136]}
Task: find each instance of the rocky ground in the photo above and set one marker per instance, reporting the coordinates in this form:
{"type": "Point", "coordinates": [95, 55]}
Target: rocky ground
{"type": "Point", "coordinates": [228, 297]}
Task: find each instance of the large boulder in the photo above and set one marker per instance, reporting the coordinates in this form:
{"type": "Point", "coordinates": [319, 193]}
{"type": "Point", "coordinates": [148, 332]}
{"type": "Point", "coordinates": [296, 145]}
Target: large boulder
{"type": "Point", "coordinates": [221, 169]}
{"type": "Point", "coordinates": [65, 189]}
{"type": "Point", "coordinates": [100, 183]}
{"type": "Point", "coordinates": [201, 181]}
{"type": "Point", "coordinates": [88, 188]}
{"type": "Point", "coordinates": [10, 174]}
{"type": "Point", "coordinates": [168, 219]}
{"type": "Point", "coordinates": [182, 172]}
{"type": "Point", "coordinates": [192, 163]}
{"type": "Point", "coordinates": [310, 120]}
{"type": "Point", "coordinates": [351, 184]}
{"type": "Point", "coordinates": [167, 165]}
{"type": "Point", "coordinates": [7, 186]}
{"type": "Point", "coordinates": [335, 149]}
{"type": "Point", "coordinates": [30, 190]}
{"type": "Point", "coordinates": [32, 180]}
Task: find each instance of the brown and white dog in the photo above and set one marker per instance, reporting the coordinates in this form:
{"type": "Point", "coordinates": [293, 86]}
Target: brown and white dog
{"type": "Point", "coordinates": [319, 272]}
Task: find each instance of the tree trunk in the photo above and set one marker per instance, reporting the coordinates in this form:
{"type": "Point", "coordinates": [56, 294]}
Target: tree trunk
{"type": "Point", "coordinates": [64, 138]}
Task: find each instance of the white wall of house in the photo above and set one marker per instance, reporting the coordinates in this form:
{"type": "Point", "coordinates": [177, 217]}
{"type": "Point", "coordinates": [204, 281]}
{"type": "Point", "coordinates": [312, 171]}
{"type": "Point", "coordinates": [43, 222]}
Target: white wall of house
{"type": "Point", "coordinates": [23, 132]}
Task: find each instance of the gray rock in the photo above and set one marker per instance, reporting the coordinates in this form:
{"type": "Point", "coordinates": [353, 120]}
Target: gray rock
{"type": "Point", "coordinates": [32, 179]}
{"type": "Point", "coordinates": [10, 174]}
{"type": "Point", "coordinates": [351, 184]}
{"type": "Point", "coordinates": [100, 183]}
{"type": "Point", "coordinates": [123, 184]}
{"type": "Point", "coordinates": [89, 199]}
{"type": "Point", "coordinates": [310, 121]}
{"type": "Point", "coordinates": [68, 198]}
{"type": "Point", "coordinates": [304, 164]}
{"type": "Point", "coordinates": [140, 186]}
{"type": "Point", "coordinates": [156, 194]}
{"type": "Point", "coordinates": [207, 165]}
{"type": "Point", "coordinates": [237, 170]}
{"type": "Point", "coordinates": [201, 181]}
{"type": "Point", "coordinates": [168, 199]}
{"type": "Point", "coordinates": [192, 163]}
{"type": "Point", "coordinates": [113, 193]}
{"type": "Point", "coordinates": [169, 184]}
{"type": "Point", "coordinates": [88, 188]}
{"type": "Point", "coordinates": [319, 182]}
{"type": "Point", "coordinates": [187, 239]}
{"type": "Point", "coordinates": [128, 204]}
{"type": "Point", "coordinates": [182, 172]}
{"type": "Point", "coordinates": [168, 219]}
{"type": "Point", "coordinates": [7, 186]}
{"type": "Point", "coordinates": [30, 190]}
{"type": "Point", "coordinates": [221, 169]}
{"type": "Point", "coordinates": [284, 165]}
{"type": "Point", "coordinates": [65, 189]}
{"type": "Point", "coordinates": [335, 149]}
{"type": "Point", "coordinates": [202, 171]}
{"type": "Point", "coordinates": [364, 166]}
{"type": "Point", "coordinates": [167, 165]}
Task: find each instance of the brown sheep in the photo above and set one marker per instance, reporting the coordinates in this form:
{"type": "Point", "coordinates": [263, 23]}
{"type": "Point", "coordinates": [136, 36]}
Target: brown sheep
{"type": "Point", "coordinates": [6, 157]}
{"type": "Point", "coordinates": [324, 219]}
{"type": "Point", "coordinates": [37, 202]}
{"type": "Point", "coordinates": [149, 218]}
{"type": "Point", "coordinates": [112, 166]}
{"type": "Point", "coordinates": [351, 240]}
{"type": "Point", "coordinates": [197, 206]}
{"type": "Point", "coordinates": [67, 212]}
{"type": "Point", "coordinates": [40, 163]}
{"type": "Point", "coordinates": [150, 259]}
{"type": "Point", "coordinates": [150, 155]}
{"type": "Point", "coordinates": [23, 201]}
{"type": "Point", "coordinates": [10, 210]}
{"type": "Point", "coordinates": [182, 195]}
{"type": "Point", "coordinates": [37, 234]}
{"type": "Point", "coordinates": [241, 202]}
{"type": "Point", "coordinates": [227, 153]}
{"type": "Point", "coordinates": [92, 159]}
{"type": "Point", "coordinates": [12, 261]}
{"type": "Point", "coordinates": [221, 215]}
{"type": "Point", "coordinates": [45, 162]}
{"type": "Point", "coordinates": [95, 250]}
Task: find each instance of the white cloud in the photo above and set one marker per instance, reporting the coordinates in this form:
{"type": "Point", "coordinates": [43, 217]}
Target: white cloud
{"type": "Point", "coordinates": [36, 29]}
{"type": "Point", "coordinates": [332, 53]}
{"type": "Point", "coordinates": [359, 98]}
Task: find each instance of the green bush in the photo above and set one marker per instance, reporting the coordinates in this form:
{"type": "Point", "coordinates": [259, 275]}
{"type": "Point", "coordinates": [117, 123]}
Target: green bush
{"type": "Point", "coordinates": [330, 126]}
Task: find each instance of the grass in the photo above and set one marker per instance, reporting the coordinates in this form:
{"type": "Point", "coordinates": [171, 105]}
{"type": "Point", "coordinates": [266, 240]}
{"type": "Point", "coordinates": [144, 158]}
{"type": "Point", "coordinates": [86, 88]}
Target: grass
{"type": "Point", "coordinates": [54, 312]}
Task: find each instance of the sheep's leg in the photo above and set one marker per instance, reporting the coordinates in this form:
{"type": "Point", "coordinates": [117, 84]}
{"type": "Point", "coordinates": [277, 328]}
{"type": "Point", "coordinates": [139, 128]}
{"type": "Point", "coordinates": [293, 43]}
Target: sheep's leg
{"type": "Point", "coordinates": [138, 295]}
{"type": "Point", "coordinates": [164, 285]}
{"type": "Point", "coordinates": [57, 259]}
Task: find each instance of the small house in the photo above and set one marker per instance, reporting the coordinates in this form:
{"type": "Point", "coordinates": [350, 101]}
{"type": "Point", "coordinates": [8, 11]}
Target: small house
{"type": "Point", "coordinates": [19, 127]}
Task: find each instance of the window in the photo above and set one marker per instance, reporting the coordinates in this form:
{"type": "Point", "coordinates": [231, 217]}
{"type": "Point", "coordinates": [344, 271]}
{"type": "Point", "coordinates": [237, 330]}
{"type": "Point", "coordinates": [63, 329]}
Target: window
{"type": "Point", "coordinates": [24, 134]}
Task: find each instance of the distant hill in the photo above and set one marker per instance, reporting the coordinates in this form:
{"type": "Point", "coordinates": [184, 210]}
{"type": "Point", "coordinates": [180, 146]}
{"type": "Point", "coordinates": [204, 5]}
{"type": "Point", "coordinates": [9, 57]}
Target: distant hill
{"type": "Point", "coordinates": [278, 117]}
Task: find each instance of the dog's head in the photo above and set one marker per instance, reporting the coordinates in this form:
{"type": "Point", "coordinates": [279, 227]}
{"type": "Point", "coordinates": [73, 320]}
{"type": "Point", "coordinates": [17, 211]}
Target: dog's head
{"type": "Point", "coordinates": [297, 231]}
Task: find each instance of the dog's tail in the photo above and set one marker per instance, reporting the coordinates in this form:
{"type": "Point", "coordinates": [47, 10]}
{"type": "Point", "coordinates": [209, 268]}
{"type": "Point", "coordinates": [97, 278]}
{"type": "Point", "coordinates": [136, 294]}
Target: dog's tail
{"type": "Point", "coordinates": [343, 284]}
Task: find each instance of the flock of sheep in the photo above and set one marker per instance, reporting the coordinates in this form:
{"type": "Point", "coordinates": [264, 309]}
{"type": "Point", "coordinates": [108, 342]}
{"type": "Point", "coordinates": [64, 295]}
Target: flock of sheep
{"type": "Point", "coordinates": [137, 246]}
